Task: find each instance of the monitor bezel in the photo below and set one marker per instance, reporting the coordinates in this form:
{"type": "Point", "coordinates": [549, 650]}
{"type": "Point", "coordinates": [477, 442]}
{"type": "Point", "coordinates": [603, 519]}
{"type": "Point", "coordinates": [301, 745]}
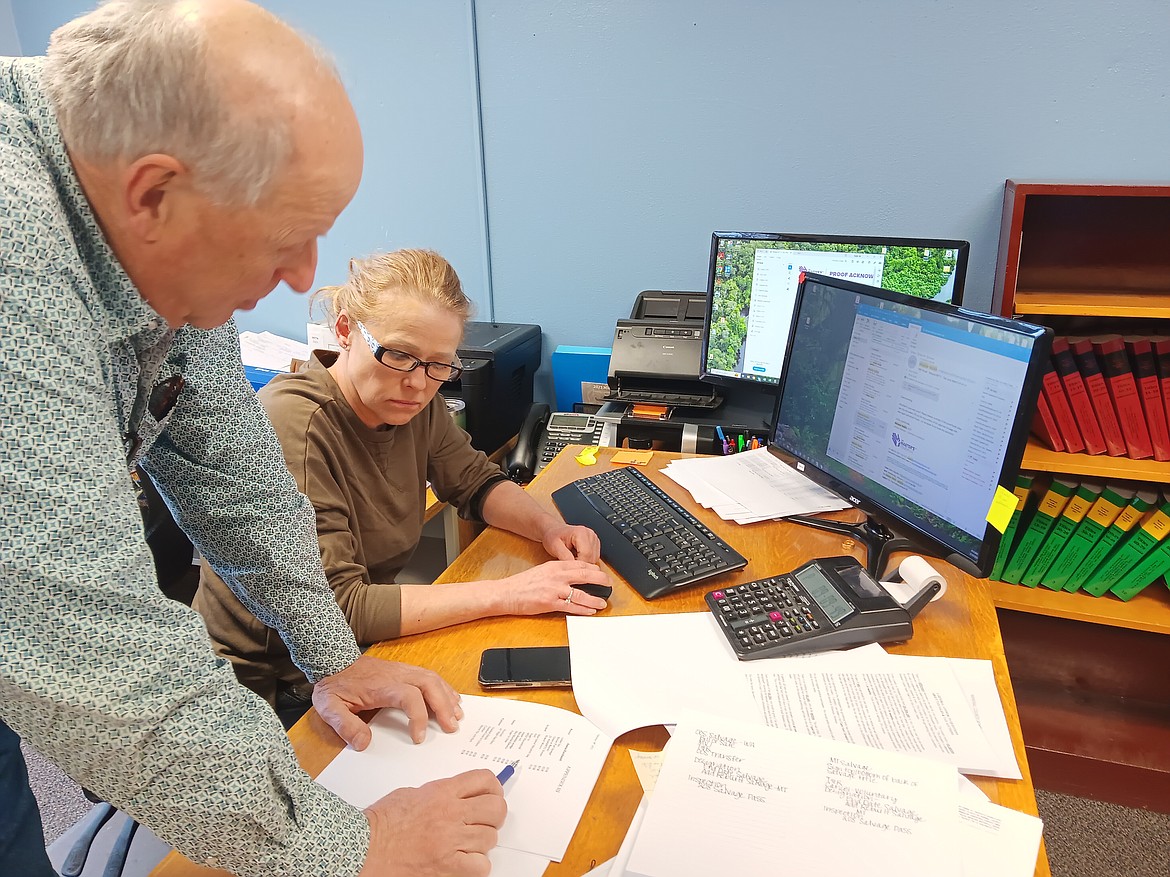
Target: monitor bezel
{"type": "Point", "coordinates": [1013, 455]}
{"type": "Point", "coordinates": [964, 253]}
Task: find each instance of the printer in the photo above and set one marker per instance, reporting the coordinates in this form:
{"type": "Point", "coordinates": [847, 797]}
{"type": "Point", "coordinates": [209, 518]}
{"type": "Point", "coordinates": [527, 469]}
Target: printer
{"type": "Point", "coordinates": [499, 363]}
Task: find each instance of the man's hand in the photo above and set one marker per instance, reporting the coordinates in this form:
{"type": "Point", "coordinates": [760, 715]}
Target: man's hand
{"type": "Point", "coordinates": [371, 683]}
{"type": "Point", "coordinates": [443, 828]}
{"type": "Point", "coordinates": [572, 543]}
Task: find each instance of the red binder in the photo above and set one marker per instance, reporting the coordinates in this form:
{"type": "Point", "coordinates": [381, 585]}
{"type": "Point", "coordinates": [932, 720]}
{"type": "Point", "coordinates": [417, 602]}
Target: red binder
{"type": "Point", "coordinates": [1090, 369]}
{"type": "Point", "coordinates": [1123, 391]}
{"type": "Point", "coordinates": [1044, 425]}
{"type": "Point", "coordinates": [1053, 392]}
{"type": "Point", "coordinates": [1141, 357]}
{"type": "Point", "coordinates": [1078, 396]}
{"type": "Point", "coordinates": [1161, 345]}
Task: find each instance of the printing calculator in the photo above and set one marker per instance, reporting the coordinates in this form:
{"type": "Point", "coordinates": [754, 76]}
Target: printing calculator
{"type": "Point", "coordinates": [829, 603]}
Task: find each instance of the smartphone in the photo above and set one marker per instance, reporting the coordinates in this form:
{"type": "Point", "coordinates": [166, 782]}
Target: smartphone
{"type": "Point", "coordinates": [538, 667]}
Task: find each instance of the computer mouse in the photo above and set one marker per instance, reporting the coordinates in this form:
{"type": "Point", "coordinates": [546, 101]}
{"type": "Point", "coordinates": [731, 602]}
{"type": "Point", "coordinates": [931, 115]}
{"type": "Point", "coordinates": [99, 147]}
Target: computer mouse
{"type": "Point", "coordinates": [602, 591]}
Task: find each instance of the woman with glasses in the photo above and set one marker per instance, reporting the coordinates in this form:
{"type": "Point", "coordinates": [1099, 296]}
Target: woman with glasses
{"type": "Point", "coordinates": [363, 431]}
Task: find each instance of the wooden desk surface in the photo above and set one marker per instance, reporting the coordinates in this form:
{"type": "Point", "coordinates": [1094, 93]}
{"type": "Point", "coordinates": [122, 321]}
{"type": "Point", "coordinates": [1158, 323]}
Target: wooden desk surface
{"type": "Point", "coordinates": [962, 624]}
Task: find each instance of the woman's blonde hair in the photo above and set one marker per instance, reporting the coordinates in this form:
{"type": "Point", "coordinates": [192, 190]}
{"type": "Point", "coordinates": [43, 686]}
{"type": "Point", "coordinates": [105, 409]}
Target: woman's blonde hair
{"type": "Point", "coordinates": [376, 282]}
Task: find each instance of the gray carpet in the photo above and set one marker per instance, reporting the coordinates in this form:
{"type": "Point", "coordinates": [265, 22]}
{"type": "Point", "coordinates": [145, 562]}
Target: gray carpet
{"type": "Point", "coordinates": [1087, 838]}
{"type": "Point", "coordinates": [1084, 838]}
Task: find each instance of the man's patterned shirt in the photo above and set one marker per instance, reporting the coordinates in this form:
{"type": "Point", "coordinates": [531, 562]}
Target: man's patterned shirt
{"type": "Point", "coordinates": [99, 670]}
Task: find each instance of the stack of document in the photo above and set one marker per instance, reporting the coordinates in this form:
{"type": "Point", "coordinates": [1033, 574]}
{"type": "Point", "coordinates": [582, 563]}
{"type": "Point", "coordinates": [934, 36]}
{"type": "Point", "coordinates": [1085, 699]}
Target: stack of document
{"type": "Point", "coordinates": [751, 486]}
{"type": "Point", "coordinates": [272, 352]}
{"type": "Point", "coordinates": [832, 763]}
{"type": "Point", "coordinates": [739, 797]}
{"type": "Point", "coordinates": [558, 756]}
{"type": "Point", "coordinates": [632, 671]}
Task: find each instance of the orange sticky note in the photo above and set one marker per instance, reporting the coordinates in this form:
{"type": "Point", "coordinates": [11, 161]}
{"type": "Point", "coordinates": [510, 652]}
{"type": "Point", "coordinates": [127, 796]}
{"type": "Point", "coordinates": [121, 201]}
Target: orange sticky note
{"type": "Point", "coordinates": [633, 458]}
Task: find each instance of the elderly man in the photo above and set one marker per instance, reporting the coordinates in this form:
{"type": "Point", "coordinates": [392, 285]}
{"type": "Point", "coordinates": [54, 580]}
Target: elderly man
{"type": "Point", "coordinates": [164, 165]}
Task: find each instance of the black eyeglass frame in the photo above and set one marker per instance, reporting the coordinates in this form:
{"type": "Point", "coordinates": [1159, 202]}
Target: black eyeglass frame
{"type": "Point", "coordinates": [379, 351]}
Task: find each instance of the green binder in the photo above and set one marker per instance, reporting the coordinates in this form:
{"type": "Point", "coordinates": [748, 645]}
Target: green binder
{"type": "Point", "coordinates": [1148, 570]}
{"type": "Point", "coordinates": [1129, 518]}
{"type": "Point", "coordinates": [1043, 519]}
{"type": "Point", "coordinates": [1141, 541]}
{"type": "Point", "coordinates": [1103, 513]}
{"type": "Point", "coordinates": [1074, 512]}
{"type": "Point", "coordinates": [1022, 494]}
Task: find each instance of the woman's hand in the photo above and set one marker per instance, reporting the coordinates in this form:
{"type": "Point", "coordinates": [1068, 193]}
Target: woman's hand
{"type": "Point", "coordinates": [549, 588]}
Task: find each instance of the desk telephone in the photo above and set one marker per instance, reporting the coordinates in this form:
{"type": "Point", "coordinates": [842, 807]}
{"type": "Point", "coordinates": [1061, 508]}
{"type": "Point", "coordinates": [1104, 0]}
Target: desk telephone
{"type": "Point", "coordinates": [543, 434]}
{"type": "Point", "coordinates": [829, 603]}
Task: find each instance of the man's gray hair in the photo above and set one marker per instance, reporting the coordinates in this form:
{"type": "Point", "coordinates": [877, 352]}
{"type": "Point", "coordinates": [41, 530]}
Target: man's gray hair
{"type": "Point", "coordinates": [132, 78]}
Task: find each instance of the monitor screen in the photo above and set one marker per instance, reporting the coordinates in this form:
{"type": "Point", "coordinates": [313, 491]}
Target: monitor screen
{"type": "Point", "coordinates": [913, 410]}
{"type": "Point", "coordinates": [751, 289]}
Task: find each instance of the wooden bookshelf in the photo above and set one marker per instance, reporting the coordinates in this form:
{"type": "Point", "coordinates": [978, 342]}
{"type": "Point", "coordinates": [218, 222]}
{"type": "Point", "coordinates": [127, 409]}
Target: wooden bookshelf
{"type": "Point", "coordinates": [1093, 303]}
{"type": "Point", "coordinates": [1041, 459]}
{"type": "Point", "coordinates": [1148, 611]}
{"type": "Point", "coordinates": [1089, 672]}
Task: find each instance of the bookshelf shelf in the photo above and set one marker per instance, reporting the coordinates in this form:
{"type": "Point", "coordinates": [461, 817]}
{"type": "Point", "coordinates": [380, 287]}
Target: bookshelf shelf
{"type": "Point", "coordinates": [1148, 611]}
{"type": "Point", "coordinates": [1148, 304]}
{"type": "Point", "coordinates": [1042, 459]}
{"type": "Point", "coordinates": [1088, 255]}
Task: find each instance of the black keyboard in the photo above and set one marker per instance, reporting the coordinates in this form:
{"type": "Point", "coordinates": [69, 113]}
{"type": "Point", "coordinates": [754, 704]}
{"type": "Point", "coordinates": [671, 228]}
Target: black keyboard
{"type": "Point", "coordinates": [648, 538]}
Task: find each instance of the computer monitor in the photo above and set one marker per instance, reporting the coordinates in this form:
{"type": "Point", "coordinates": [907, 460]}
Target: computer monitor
{"type": "Point", "coordinates": [751, 289]}
{"type": "Point", "coordinates": [913, 410]}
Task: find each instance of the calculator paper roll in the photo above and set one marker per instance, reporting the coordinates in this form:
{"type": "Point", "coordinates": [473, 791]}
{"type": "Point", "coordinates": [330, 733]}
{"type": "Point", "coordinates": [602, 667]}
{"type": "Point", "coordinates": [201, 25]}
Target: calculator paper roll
{"type": "Point", "coordinates": [916, 574]}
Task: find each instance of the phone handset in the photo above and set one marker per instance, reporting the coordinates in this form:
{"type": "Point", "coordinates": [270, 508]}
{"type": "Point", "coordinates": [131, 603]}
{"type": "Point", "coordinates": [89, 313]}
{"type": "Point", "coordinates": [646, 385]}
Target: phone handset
{"type": "Point", "coordinates": [521, 460]}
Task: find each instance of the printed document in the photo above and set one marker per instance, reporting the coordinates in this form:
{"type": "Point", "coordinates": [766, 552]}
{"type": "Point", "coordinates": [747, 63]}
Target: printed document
{"type": "Point", "coordinates": [742, 798]}
{"type": "Point", "coordinates": [558, 756]}
{"type": "Point", "coordinates": [752, 486]}
{"type": "Point", "coordinates": [919, 711]}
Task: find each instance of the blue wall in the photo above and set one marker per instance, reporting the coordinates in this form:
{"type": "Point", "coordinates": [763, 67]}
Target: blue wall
{"type": "Point", "coordinates": [619, 135]}
{"type": "Point", "coordinates": [9, 42]}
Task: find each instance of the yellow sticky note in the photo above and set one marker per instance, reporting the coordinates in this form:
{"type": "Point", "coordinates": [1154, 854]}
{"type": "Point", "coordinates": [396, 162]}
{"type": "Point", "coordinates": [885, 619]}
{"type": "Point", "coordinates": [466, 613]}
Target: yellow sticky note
{"type": "Point", "coordinates": [633, 458]}
{"type": "Point", "coordinates": [588, 456]}
{"type": "Point", "coordinates": [1002, 506]}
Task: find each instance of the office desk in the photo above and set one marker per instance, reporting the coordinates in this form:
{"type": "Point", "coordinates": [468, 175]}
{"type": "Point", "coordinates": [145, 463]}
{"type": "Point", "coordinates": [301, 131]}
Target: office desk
{"type": "Point", "coordinates": [961, 624]}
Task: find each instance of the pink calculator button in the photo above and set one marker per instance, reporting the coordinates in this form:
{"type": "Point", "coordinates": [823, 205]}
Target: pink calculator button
{"type": "Point", "coordinates": [718, 595]}
{"type": "Point", "coordinates": [776, 616]}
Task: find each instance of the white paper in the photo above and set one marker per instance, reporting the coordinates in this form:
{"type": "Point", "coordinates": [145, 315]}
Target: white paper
{"type": "Point", "coordinates": [320, 337]}
{"type": "Point", "coordinates": [997, 840]}
{"type": "Point", "coordinates": [631, 671]}
{"type": "Point", "coordinates": [619, 862]}
{"type": "Point", "coordinates": [976, 680]}
{"type": "Point", "coordinates": [560, 756]}
{"type": "Point", "coordinates": [920, 711]}
{"type": "Point", "coordinates": [740, 798]}
{"type": "Point", "coordinates": [269, 351]}
{"type": "Point", "coordinates": [751, 486]}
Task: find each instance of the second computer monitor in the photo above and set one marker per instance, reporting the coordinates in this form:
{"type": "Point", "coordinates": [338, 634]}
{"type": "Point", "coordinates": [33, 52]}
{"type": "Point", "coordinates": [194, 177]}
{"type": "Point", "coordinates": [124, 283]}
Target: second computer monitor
{"type": "Point", "coordinates": [751, 289]}
{"type": "Point", "coordinates": [917, 412]}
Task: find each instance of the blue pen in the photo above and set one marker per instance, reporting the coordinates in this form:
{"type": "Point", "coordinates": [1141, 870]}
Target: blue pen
{"type": "Point", "coordinates": [506, 774]}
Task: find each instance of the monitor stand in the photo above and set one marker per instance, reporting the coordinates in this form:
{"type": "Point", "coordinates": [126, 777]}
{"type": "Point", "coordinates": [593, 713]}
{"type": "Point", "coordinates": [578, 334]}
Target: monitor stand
{"type": "Point", "coordinates": [880, 541]}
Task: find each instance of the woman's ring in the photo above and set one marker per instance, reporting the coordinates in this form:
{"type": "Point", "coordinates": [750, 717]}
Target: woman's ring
{"type": "Point", "coordinates": [569, 599]}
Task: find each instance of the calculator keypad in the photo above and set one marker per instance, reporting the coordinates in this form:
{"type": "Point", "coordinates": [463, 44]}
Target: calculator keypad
{"type": "Point", "coordinates": [762, 614]}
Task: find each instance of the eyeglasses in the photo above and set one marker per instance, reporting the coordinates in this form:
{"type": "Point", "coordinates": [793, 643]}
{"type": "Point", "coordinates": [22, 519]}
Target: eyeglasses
{"type": "Point", "coordinates": [404, 362]}
{"type": "Point", "coordinates": [160, 403]}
